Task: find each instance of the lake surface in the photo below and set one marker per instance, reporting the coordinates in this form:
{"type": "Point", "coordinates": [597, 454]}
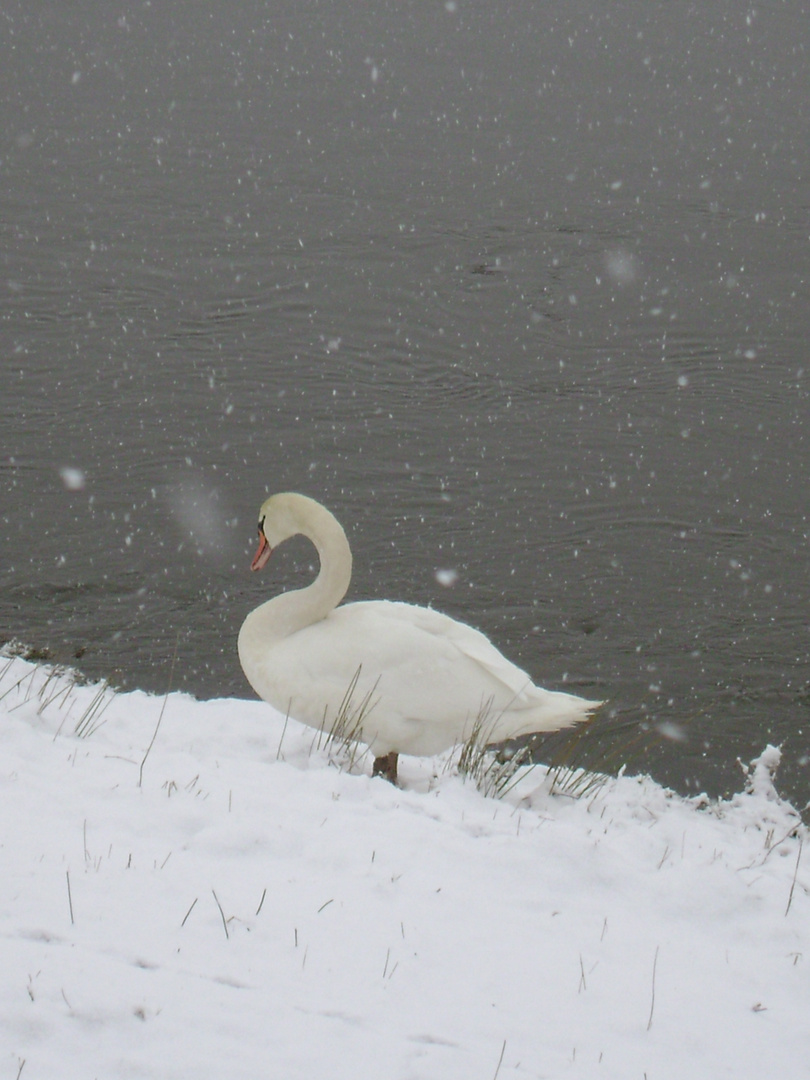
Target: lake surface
{"type": "Point", "coordinates": [520, 291]}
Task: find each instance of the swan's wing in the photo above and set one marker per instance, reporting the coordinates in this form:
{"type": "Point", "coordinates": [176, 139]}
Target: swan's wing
{"type": "Point", "coordinates": [452, 639]}
{"type": "Point", "coordinates": [417, 650]}
{"type": "Point", "coordinates": [491, 686]}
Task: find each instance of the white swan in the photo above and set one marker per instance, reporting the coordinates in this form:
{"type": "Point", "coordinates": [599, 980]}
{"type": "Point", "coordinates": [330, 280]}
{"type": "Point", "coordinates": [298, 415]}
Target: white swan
{"type": "Point", "coordinates": [421, 678]}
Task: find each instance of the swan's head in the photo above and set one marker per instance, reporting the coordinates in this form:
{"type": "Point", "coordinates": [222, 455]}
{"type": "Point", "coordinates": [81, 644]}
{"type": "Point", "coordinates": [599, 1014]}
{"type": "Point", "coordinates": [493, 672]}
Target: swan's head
{"type": "Point", "coordinates": [280, 517]}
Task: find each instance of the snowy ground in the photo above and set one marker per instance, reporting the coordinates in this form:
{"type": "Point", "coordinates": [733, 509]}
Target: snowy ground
{"type": "Point", "coordinates": [249, 910]}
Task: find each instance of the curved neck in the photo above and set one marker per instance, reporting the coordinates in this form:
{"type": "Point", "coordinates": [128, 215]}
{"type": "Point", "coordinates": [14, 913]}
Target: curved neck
{"type": "Point", "coordinates": [334, 555]}
{"type": "Point", "coordinates": [283, 615]}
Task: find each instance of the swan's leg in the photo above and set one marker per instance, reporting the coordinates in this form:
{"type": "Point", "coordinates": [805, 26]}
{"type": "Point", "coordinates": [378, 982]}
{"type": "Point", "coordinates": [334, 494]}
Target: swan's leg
{"type": "Point", "coordinates": [386, 766]}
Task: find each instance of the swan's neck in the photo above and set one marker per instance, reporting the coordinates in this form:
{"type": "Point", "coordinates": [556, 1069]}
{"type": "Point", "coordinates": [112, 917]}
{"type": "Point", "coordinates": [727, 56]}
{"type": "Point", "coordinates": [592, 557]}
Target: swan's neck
{"type": "Point", "coordinates": [292, 611]}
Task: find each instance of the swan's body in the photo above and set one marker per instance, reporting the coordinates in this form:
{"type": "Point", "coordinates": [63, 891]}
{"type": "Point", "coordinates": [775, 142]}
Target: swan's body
{"type": "Point", "coordinates": [422, 678]}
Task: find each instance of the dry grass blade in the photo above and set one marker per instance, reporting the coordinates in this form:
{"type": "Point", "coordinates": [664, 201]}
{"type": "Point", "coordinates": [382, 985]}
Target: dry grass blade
{"type": "Point", "coordinates": [652, 992]}
{"type": "Point", "coordinates": [795, 875]}
{"type": "Point", "coordinates": [500, 1061]}
{"type": "Point", "coordinates": [9, 661]}
{"type": "Point", "coordinates": [160, 717]}
{"type": "Point", "coordinates": [222, 915]}
{"type": "Point", "coordinates": [70, 897]}
{"type": "Point", "coordinates": [29, 678]}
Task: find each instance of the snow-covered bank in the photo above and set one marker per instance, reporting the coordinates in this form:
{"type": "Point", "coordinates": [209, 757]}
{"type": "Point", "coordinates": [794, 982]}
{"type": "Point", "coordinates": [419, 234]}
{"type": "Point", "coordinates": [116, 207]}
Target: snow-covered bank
{"type": "Point", "coordinates": [248, 910]}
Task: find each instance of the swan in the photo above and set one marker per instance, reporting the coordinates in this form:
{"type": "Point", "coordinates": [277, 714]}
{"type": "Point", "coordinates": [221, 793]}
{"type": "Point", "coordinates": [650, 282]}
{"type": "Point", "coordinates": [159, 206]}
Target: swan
{"type": "Point", "coordinates": [418, 680]}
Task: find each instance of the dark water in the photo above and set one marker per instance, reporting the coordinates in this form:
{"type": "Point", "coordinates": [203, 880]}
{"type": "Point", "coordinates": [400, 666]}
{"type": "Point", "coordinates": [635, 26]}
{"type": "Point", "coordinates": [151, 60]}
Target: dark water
{"type": "Point", "coordinates": [519, 290]}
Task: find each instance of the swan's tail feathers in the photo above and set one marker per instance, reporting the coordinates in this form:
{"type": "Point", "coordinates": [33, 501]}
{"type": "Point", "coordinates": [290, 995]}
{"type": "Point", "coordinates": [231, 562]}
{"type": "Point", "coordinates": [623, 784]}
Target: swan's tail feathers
{"type": "Point", "coordinates": [568, 709]}
{"type": "Point", "coordinates": [538, 710]}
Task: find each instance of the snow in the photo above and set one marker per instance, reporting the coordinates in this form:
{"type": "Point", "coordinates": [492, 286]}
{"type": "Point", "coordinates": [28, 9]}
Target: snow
{"type": "Point", "coordinates": [194, 889]}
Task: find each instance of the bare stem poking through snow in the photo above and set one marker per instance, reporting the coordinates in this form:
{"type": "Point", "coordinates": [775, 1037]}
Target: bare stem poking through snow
{"type": "Point", "coordinates": [160, 717]}
{"type": "Point", "coordinates": [500, 1061]}
{"type": "Point", "coordinates": [652, 992]}
{"type": "Point", "coordinates": [70, 897]}
{"type": "Point", "coordinates": [222, 913]}
{"type": "Point", "coordinates": [795, 875]}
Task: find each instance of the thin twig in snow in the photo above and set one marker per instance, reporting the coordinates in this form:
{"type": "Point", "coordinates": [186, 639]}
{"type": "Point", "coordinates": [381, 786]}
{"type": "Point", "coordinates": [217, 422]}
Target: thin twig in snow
{"type": "Point", "coordinates": [500, 1061]}
{"type": "Point", "coordinates": [7, 665]}
{"type": "Point", "coordinates": [795, 874]}
{"type": "Point", "coordinates": [70, 898]}
{"type": "Point", "coordinates": [652, 996]}
{"type": "Point", "coordinates": [18, 686]}
{"type": "Point", "coordinates": [222, 913]}
{"type": "Point", "coordinates": [31, 683]}
{"type": "Point", "coordinates": [183, 923]}
{"type": "Point", "coordinates": [283, 732]}
{"type": "Point", "coordinates": [162, 710]}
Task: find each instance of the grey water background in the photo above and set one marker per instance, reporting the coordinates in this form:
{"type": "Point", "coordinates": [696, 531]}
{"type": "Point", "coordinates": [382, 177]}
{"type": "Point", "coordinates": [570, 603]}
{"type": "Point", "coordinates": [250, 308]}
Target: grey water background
{"type": "Point", "coordinates": [519, 290]}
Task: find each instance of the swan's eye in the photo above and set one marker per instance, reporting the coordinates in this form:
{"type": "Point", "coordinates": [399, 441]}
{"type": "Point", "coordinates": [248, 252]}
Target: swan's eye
{"type": "Point", "coordinates": [261, 527]}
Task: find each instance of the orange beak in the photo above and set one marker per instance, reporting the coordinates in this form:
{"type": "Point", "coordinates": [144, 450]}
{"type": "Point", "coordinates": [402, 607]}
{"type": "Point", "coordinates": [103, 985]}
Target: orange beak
{"type": "Point", "coordinates": [263, 553]}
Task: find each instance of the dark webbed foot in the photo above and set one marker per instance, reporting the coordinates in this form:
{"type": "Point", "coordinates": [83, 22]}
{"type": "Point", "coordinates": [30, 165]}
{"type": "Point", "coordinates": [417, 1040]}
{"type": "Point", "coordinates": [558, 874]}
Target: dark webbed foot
{"type": "Point", "coordinates": [386, 766]}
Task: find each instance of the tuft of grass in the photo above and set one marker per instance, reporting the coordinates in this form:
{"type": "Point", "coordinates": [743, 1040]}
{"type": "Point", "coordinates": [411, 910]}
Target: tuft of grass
{"type": "Point", "coordinates": [343, 738]}
{"type": "Point", "coordinates": [574, 782]}
{"type": "Point", "coordinates": [565, 775]}
{"type": "Point", "coordinates": [91, 719]}
{"type": "Point", "coordinates": [57, 689]}
{"type": "Point", "coordinates": [590, 754]}
{"type": "Point", "coordinates": [494, 772]}
{"type": "Point", "coordinates": [581, 761]}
